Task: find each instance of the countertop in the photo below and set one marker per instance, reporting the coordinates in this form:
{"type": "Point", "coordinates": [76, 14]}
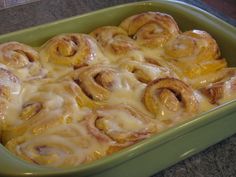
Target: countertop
{"type": "Point", "coordinates": [216, 161]}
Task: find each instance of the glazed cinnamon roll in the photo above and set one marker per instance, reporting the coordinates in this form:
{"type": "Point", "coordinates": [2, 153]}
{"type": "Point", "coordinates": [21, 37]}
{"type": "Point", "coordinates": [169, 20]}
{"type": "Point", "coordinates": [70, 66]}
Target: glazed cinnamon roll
{"type": "Point", "coordinates": [64, 146]}
{"type": "Point", "coordinates": [195, 52]}
{"type": "Point", "coordinates": [70, 50]}
{"type": "Point", "coordinates": [94, 84]}
{"type": "Point", "coordinates": [42, 109]}
{"type": "Point", "coordinates": [169, 95]}
{"type": "Point", "coordinates": [151, 29]}
{"type": "Point", "coordinates": [144, 71]}
{"type": "Point", "coordinates": [205, 80]}
{"type": "Point", "coordinates": [122, 124]}
{"type": "Point", "coordinates": [114, 40]}
{"type": "Point", "coordinates": [221, 91]}
{"type": "Point", "coordinates": [22, 60]}
{"type": "Point", "coordinates": [10, 84]}
{"type": "Point", "coordinates": [10, 87]}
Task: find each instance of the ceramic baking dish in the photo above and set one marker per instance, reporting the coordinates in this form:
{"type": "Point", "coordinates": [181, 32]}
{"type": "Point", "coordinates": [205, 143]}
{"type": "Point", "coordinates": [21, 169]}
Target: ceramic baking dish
{"type": "Point", "coordinates": [162, 150]}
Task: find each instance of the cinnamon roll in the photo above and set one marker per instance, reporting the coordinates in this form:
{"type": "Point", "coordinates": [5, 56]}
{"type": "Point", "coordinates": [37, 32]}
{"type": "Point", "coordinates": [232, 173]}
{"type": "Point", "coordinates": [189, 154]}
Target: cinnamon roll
{"type": "Point", "coordinates": [144, 71]}
{"type": "Point", "coordinates": [71, 50]}
{"type": "Point", "coordinates": [10, 85]}
{"type": "Point", "coordinates": [42, 109]}
{"type": "Point", "coordinates": [94, 84]}
{"type": "Point", "coordinates": [205, 80]}
{"type": "Point", "coordinates": [166, 96]}
{"type": "Point", "coordinates": [221, 91]}
{"type": "Point", "coordinates": [195, 52]}
{"type": "Point", "coordinates": [121, 124]}
{"type": "Point", "coordinates": [64, 146]}
{"type": "Point", "coordinates": [114, 40]}
{"type": "Point", "coordinates": [151, 29]}
{"type": "Point", "coordinates": [21, 59]}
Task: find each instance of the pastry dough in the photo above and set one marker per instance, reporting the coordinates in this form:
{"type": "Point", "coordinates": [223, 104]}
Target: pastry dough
{"type": "Point", "coordinates": [145, 71]}
{"type": "Point", "coordinates": [80, 97]}
{"type": "Point", "coordinates": [22, 60]}
{"type": "Point", "coordinates": [173, 96]}
{"type": "Point", "coordinates": [63, 146]}
{"type": "Point", "coordinates": [71, 50]}
{"type": "Point", "coordinates": [151, 29]}
{"type": "Point", "coordinates": [196, 53]}
{"type": "Point", "coordinates": [122, 124]}
{"type": "Point", "coordinates": [94, 84]}
{"type": "Point", "coordinates": [114, 40]}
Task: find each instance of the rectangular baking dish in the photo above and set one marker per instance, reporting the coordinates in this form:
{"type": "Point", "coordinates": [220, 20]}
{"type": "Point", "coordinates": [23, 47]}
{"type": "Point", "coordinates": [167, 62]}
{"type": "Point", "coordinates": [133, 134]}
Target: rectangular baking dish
{"type": "Point", "coordinates": [162, 150]}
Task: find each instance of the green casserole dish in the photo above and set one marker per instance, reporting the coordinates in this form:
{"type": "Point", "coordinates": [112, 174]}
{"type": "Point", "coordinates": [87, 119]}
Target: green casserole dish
{"type": "Point", "coordinates": [162, 150]}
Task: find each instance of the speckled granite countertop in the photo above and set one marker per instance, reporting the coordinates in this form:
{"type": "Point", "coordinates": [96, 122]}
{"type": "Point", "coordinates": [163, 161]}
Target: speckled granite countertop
{"type": "Point", "coordinates": [216, 161]}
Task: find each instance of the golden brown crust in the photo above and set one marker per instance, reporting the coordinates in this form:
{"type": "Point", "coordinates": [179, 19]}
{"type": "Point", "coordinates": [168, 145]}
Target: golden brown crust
{"type": "Point", "coordinates": [9, 85]}
{"type": "Point", "coordinates": [52, 105]}
{"type": "Point", "coordinates": [114, 40]}
{"type": "Point", "coordinates": [214, 92]}
{"type": "Point", "coordinates": [93, 84]}
{"type": "Point", "coordinates": [195, 52]}
{"type": "Point", "coordinates": [178, 92]}
{"type": "Point", "coordinates": [195, 43]}
{"type": "Point", "coordinates": [9, 82]}
{"type": "Point", "coordinates": [122, 135]}
{"type": "Point", "coordinates": [151, 29]}
{"type": "Point", "coordinates": [70, 49]}
{"type": "Point", "coordinates": [145, 72]}
{"type": "Point", "coordinates": [58, 148]}
{"type": "Point", "coordinates": [19, 57]}
{"type": "Point", "coordinates": [217, 90]}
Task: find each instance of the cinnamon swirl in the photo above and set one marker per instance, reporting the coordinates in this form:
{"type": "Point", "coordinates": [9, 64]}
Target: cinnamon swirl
{"type": "Point", "coordinates": [166, 95]}
{"type": "Point", "coordinates": [144, 71]}
{"type": "Point", "coordinates": [22, 60]}
{"type": "Point", "coordinates": [71, 50]}
{"type": "Point", "coordinates": [151, 29]}
{"type": "Point", "coordinates": [114, 40]}
{"type": "Point", "coordinates": [122, 124]}
{"type": "Point", "coordinates": [196, 53]}
{"type": "Point", "coordinates": [95, 84]}
{"type": "Point", "coordinates": [42, 108]}
{"type": "Point", "coordinates": [222, 90]}
{"type": "Point", "coordinates": [63, 146]}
